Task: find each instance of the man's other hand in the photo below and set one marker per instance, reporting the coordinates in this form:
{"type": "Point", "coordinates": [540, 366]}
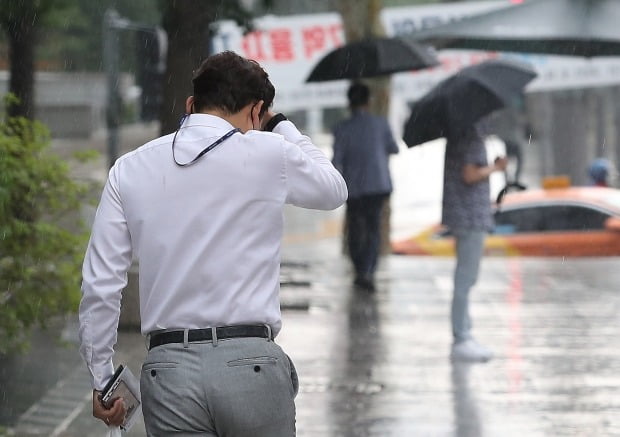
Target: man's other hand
{"type": "Point", "coordinates": [268, 115]}
{"type": "Point", "coordinates": [113, 416]}
{"type": "Point", "coordinates": [501, 163]}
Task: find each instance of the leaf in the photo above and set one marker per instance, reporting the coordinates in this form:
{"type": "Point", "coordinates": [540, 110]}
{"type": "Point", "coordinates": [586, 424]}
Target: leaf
{"type": "Point", "coordinates": [43, 237]}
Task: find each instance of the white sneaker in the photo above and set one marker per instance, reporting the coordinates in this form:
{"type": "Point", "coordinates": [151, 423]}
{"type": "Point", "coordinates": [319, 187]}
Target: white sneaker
{"type": "Point", "coordinates": [470, 350]}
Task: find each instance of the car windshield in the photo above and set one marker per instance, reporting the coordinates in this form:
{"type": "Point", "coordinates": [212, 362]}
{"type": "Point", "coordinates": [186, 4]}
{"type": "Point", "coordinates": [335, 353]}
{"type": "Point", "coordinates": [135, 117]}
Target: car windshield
{"type": "Point", "coordinates": [549, 218]}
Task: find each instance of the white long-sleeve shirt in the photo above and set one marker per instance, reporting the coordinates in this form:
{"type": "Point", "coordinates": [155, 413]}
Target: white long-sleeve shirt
{"type": "Point", "coordinates": [207, 237]}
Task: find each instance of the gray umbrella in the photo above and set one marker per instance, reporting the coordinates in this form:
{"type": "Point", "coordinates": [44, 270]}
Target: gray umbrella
{"type": "Point", "coordinates": [373, 57]}
{"type": "Point", "coordinates": [562, 27]}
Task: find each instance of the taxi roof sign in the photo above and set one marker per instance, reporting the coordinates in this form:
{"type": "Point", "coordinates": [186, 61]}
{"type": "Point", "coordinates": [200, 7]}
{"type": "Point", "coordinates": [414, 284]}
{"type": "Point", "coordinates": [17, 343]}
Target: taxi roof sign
{"type": "Point", "coordinates": [557, 181]}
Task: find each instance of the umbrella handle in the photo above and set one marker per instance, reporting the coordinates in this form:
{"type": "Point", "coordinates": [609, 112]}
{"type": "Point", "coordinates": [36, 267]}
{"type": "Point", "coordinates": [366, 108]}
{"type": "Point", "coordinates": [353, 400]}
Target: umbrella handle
{"type": "Point", "coordinates": [512, 185]}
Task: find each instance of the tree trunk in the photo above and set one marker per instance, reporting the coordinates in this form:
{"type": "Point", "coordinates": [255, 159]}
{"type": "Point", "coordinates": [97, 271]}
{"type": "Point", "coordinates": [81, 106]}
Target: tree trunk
{"type": "Point", "coordinates": [187, 25]}
{"type": "Point", "coordinates": [21, 34]}
{"type": "Point", "coordinates": [362, 19]}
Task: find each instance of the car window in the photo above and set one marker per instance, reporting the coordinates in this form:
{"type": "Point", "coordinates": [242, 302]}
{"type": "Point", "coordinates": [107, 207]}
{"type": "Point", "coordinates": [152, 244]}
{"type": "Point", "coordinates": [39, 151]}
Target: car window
{"type": "Point", "coordinates": [519, 220]}
{"type": "Point", "coordinates": [443, 233]}
{"type": "Point", "coordinates": [572, 218]}
{"type": "Point", "coordinates": [549, 218]}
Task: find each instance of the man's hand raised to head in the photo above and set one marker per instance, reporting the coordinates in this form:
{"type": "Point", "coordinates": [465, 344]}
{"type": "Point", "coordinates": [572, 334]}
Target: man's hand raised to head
{"type": "Point", "coordinates": [266, 117]}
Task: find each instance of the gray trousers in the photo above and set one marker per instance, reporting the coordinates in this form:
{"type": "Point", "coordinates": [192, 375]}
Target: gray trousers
{"type": "Point", "coordinates": [242, 387]}
{"type": "Point", "coordinates": [469, 250]}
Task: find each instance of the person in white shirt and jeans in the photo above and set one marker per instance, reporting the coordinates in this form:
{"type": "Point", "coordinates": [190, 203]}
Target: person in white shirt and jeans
{"type": "Point", "coordinates": [201, 210]}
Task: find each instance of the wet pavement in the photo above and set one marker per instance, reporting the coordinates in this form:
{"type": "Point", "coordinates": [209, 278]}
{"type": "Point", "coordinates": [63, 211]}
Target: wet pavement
{"type": "Point", "coordinates": [378, 364]}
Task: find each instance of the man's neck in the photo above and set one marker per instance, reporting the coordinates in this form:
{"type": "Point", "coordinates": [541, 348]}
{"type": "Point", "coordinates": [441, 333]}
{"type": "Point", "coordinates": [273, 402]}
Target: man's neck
{"type": "Point", "coordinates": [231, 118]}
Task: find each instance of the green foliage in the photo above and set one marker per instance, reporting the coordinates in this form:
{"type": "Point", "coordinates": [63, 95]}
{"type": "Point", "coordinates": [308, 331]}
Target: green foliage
{"type": "Point", "coordinates": [13, 12]}
{"type": "Point", "coordinates": [70, 31]}
{"type": "Point", "coordinates": [42, 238]}
{"type": "Point", "coordinates": [72, 38]}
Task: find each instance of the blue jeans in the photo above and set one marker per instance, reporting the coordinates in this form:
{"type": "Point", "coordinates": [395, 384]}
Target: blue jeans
{"type": "Point", "coordinates": [469, 249]}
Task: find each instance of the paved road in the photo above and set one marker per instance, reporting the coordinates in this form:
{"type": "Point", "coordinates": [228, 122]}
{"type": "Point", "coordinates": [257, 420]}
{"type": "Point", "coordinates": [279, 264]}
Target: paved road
{"type": "Point", "coordinates": [377, 365]}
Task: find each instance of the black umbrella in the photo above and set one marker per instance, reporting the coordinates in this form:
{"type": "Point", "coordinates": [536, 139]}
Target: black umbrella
{"type": "Point", "coordinates": [371, 58]}
{"type": "Point", "coordinates": [464, 98]}
{"type": "Point", "coordinates": [562, 27]}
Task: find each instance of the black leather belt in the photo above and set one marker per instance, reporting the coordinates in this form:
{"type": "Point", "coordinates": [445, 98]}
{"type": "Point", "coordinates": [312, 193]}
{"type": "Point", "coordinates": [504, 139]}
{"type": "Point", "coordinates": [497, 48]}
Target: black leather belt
{"type": "Point", "coordinates": [236, 331]}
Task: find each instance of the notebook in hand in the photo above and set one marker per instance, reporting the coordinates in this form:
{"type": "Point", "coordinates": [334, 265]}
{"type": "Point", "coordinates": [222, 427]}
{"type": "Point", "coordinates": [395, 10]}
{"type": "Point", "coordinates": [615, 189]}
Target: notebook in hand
{"type": "Point", "coordinates": [123, 385]}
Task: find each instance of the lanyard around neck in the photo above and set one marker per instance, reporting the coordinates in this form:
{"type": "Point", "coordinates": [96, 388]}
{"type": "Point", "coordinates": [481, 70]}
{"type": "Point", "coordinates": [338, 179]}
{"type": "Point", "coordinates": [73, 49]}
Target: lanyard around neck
{"type": "Point", "coordinates": [205, 150]}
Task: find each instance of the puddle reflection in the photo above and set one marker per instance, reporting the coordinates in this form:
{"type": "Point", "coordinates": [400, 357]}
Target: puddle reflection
{"type": "Point", "coordinates": [466, 414]}
{"type": "Point", "coordinates": [355, 387]}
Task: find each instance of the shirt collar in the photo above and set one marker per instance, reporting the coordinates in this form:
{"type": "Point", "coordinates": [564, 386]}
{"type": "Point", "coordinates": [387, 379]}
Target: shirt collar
{"type": "Point", "coordinates": [207, 120]}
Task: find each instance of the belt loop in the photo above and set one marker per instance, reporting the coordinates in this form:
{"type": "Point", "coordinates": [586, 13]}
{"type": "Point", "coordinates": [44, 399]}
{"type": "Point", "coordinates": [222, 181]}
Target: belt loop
{"type": "Point", "coordinates": [268, 332]}
{"type": "Point", "coordinates": [147, 341]}
{"type": "Point", "coordinates": [186, 338]}
{"type": "Point", "coordinates": [214, 336]}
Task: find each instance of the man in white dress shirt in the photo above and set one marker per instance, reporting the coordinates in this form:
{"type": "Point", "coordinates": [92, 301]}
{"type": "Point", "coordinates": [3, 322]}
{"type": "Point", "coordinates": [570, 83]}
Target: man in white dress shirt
{"type": "Point", "coordinates": [201, 210]}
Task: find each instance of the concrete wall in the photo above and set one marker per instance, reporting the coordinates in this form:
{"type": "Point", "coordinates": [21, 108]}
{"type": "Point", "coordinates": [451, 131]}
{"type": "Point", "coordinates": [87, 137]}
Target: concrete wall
{"type": "Point", "coordinates": [573, 127]}
{"type": "Point", "coordinates": [72, 105]}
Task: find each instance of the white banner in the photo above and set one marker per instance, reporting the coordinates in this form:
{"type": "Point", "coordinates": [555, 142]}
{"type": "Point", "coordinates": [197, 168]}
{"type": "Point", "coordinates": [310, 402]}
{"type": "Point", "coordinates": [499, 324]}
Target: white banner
{"type": "Point", "coordinates": [288, 47]}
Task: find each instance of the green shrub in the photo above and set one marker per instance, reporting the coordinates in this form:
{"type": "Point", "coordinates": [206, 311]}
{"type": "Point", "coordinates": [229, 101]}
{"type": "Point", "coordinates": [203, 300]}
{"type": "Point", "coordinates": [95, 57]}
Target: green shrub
{"type": "Point", "coordinates": [42, 238]}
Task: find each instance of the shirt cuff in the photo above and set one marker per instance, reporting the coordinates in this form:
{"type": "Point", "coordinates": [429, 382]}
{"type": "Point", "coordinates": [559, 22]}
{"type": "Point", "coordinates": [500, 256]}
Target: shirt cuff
{"type": "Point", "coordinates": [288, 130]}
{"type": "Point", "coordinates": [274, 122]}
{"type": "Point", "coordinates": [101, 374]}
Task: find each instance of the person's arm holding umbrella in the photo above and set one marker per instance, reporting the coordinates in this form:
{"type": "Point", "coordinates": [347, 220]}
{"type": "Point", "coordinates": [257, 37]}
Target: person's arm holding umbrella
{"type": "Point", "coordinates": [475, 168]}
{"type": "Point", "coordinates": [473, 173]}
{"type": "Point", "coordinates": [390, 143]}
{"type": "Point", "coordinates": [339, 150]}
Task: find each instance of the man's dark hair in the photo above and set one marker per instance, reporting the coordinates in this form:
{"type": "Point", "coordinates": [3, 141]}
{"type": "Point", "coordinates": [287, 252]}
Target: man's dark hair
{"type": "Point", "coordinates": [229, 82]}
{"type": "Point", "coordinates": [358, 95]}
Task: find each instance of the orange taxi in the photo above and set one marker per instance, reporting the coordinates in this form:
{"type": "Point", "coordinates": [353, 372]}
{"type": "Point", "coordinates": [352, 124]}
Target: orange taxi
{"type": "Point", "coordinates": [565, 221]}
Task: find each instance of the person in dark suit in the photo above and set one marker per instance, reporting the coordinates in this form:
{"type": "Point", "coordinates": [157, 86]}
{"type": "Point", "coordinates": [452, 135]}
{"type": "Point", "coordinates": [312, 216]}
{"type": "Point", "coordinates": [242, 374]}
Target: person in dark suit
{"type": "Point", "coordinates": [362, 146]}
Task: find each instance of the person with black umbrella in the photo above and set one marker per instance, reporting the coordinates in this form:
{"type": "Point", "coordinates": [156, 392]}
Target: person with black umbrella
{"type": "Point", "coordinates": [454, 109]}
{"type": "Point", "coordinates": [466, 211]}
{"type": "Point", "coordinates": [362, 145]}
